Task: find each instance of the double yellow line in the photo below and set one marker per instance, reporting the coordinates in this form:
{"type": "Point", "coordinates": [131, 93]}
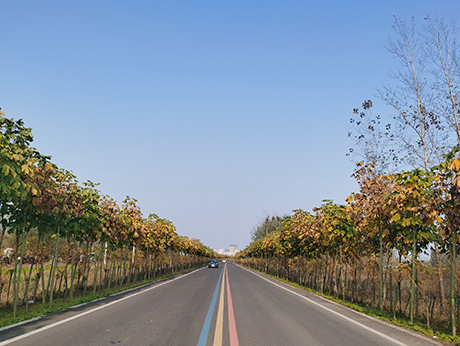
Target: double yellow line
{"type": "Point", "coordinates": [218, 333]}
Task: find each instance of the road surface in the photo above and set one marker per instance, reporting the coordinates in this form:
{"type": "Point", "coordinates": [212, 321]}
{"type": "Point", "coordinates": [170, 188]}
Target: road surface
{"type": "Point", "coordinates": [227, 306]}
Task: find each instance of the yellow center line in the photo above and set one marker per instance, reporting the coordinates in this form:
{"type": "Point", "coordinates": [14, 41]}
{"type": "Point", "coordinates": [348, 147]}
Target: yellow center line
{"type": "Point", "coordinates": [218, 334]}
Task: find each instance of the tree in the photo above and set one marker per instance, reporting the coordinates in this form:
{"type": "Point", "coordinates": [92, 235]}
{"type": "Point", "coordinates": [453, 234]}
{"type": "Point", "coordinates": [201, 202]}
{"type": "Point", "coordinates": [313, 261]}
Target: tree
{"type": "Point", "coordinates": [17, 162]}
{"type": "Point", "coordinates": [417, 126]}
{"type": "Point", "coordinates": [160, 234]}
{"type": "Point", "coordinates": [268, 225]}
{"type": "Point", "coordinates": [373, 140]}
{"type": "Point", "coordinates": [370, 211]}
{"type": "Point", "coordinates": [444, 54]}
{"type": "Point", "coordinates": [411, 211]}
{"type": "Point", "coordinates": [446, 202]}
{"type": "Point", "coordinates": [418, 129]}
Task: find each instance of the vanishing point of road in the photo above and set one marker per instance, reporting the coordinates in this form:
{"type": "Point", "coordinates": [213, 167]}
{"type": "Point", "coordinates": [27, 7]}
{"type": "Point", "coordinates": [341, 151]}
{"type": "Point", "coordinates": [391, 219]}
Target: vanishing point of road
{"type": "Point", "coordinates": [227, 306]}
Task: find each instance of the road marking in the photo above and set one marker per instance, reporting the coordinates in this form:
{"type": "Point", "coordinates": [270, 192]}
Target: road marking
{"type": "Point", "coordinates": [231, 316]}
{"type": "Point", "coordinates": [42, 329]}
{"type": "Point", "coordinates": [207, 322]}
{"type": "Point", "coordinates": [218, 334]}
{"type": "Point", "coordinates": [389, 338]}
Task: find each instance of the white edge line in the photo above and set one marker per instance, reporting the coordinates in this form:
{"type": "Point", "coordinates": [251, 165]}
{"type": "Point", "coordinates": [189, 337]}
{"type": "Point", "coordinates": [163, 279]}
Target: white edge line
{"type": "Point", "coordinates": [389, 338]}
{"type": "Point", "coordinates": [42, 329]}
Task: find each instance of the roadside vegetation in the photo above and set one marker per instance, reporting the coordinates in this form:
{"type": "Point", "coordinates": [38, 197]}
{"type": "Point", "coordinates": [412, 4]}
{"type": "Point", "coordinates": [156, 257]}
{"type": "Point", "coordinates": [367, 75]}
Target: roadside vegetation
{"type": "Point", "coordinates": [64, 241]}
{"type": "Point", "coordinates": [63, 301]}
{"type": "Point", "coordinates": [392, 248]}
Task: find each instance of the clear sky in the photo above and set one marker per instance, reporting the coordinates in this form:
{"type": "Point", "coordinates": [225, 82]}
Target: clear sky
{"type": "Point", "coordinates": [213, 114]}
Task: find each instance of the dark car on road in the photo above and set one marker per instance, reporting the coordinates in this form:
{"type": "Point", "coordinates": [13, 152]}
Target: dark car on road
{"type": "Point", "coordinates": [213, 264]}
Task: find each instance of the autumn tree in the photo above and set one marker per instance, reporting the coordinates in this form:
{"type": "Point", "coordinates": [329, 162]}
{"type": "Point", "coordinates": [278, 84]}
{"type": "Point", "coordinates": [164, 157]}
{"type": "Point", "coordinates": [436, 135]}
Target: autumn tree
{"type": "Point", "coordinates": [446, 202]}
{"type": "Point", "coordinates": [411, 210]}
{"type": "Point", "coordinates": [17, 162]}
{"type": "Point", "coordinates": [301, 222]}
{"type": "Point", "coordinates": [370, 212]}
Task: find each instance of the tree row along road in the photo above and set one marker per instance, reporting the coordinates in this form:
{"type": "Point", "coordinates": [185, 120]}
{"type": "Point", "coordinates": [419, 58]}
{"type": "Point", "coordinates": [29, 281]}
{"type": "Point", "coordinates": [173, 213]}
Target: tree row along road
{"type": "Point", "coordinates": [226, 306]}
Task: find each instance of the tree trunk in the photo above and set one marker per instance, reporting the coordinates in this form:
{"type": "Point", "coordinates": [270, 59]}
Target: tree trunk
{"type": "Point", "coordinates": [453, 284]}
{"type": "Point", "coordinates": [438, 264]}
{"type": "Point", "coordinates": [17, 282]}
{"type": "Point", "coordinates": [413, 277]}
{"type": "Point", "coordinates": [26, 293]}
{"type": "Point", "coordinates": [54, 266]}
{"type": "Point", "coordinates": [381, 283]}
{"type": "Point", "coordinates": [73, 272]}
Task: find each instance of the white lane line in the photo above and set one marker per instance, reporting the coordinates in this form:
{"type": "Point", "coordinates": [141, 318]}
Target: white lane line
{"type": "Point", "coordinates": [389, 338]}
{"type": "Point", "coordinates": [42, 329]}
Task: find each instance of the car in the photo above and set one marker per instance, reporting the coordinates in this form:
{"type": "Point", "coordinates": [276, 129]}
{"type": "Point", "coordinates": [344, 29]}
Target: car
{"type": "Point", "coordinates": [213, 264]}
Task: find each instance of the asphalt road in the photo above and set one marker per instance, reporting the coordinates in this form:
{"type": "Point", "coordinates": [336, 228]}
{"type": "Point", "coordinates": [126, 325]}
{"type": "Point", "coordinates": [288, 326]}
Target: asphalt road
{"type": "Point", "coordinates": [228, 306]}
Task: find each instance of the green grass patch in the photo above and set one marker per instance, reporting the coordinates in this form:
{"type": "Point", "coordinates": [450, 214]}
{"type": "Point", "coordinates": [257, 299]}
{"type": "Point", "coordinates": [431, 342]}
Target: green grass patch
{"type": "Point", "coordinates": [26, 269]}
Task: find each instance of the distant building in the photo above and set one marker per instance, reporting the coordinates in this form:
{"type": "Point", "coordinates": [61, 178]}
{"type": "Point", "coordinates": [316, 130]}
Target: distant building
{"type": "Point", "coordinates": [231, 251]}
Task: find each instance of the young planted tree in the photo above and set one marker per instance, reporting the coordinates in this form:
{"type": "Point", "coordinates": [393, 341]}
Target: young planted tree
{"type": "Point", "coordinates": [17, 159]}
{"type": "Point", "coordinates": [112, 229]}
{"type": "Point", "coordinates": [300, 224]}
{"type": "Point", "coordinates": [18, 162]}
{"type": "Point", "coordinates": [446, 202]}
{"type": "Point", "coordinates": [412, 212]}
{"type": "Point", "coordinates": [135, 230]}
{"type": "Point", "coordinates": [89, 230]}
{"type": "Point", "coordinates": [64, 205]}
{"type": "Point", "coordinates": [335, 235]}
{"type": "Point", "coordinates": [289, 239]}
{"type": "Point", "coordinates": [271, 245]}
{"type": "Point", "coordinates": [371, 215]}
{"type": "Point", "coordinates": [160, 234]}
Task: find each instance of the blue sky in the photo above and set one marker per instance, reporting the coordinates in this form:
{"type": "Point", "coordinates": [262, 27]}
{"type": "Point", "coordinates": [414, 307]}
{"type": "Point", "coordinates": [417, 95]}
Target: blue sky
{"type": "Point", "coordinates": [213, 114]}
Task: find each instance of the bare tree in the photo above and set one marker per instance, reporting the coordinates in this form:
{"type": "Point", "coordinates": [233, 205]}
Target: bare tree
{"type": "Point", "coordinates": [417, 127]}
{"type": "Point", "coordinates": [373, 140]}
{"type": "Point", "coordinates": [444, 54]}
